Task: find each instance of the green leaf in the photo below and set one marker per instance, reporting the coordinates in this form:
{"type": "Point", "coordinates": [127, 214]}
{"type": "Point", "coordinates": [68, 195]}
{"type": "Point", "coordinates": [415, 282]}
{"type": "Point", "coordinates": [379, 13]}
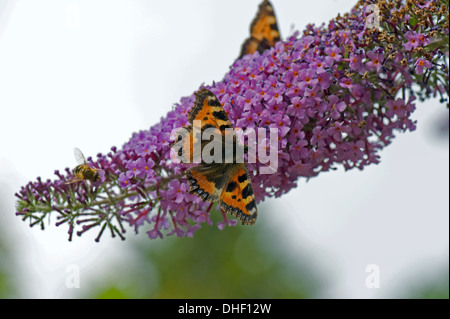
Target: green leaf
{"type": "Point", "coordinates": [413, 21]}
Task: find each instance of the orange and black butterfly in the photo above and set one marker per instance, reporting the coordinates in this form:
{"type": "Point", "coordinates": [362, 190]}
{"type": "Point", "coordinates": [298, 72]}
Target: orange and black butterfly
{"type": "Point", "coordinates": [228, 181]}
{"type": "Point", "coordinates": [264, 31]}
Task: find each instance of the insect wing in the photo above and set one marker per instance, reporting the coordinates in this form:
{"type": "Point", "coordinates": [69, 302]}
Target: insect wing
{"type": "Point", "coordinates": [79, 156]}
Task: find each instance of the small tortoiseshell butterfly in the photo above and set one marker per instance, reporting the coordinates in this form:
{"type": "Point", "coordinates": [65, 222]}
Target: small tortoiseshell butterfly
{"type": "Point", "coordinates": [227, 182]}
{"type": "Point", "coordinates": [263, 31]}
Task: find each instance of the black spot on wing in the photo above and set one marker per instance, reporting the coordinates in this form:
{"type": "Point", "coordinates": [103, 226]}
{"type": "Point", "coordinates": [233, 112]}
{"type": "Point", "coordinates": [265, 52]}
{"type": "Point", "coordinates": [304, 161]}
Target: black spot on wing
{"type": "Point", "coordinates": [231, 187]}
{"type": "Point", "coordinates": [242, 178]}
{"type": "Point", "coordinates": [221, 115]}
{"type": "Point", "coordinates": [223, 127]}
{"type": "Point", "coordinates": [250, 206]}
{"type": "Point", "coordinates": [214, 102]}
{"type": "Point", "coordinates": [206, 126]}
{"type": "Point", "coordinates": [247, 191]}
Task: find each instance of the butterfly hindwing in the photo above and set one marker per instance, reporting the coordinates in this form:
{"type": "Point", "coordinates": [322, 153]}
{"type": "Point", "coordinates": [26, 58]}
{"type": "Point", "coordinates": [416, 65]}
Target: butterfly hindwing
{"type": "Point", "coordinates": [264, 32]}
{"type": "Point", "coordinates": [237, 197]}
{"type": "Point", "coordinates": [207, 181]}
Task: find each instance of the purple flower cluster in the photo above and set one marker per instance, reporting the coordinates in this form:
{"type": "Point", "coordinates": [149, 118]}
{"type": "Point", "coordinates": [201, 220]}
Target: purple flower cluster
{"type": "Point", "coordinates": [336, 95]}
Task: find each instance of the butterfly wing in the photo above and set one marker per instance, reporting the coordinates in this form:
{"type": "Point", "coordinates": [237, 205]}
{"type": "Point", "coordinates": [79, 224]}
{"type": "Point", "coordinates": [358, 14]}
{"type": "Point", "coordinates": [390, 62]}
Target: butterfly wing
{"type": "Point", "coordinates": [208, 180]}
{"type": "Point", "coordinates": [264, 32]}
{"type": "Point", "coordinates": [237, 198]}
{"type": "Point", "coordinates": [208, 110]}
{"type": "Point", "coordinates": [205, 180]}
{"type": "Point", "coordinates": [206, 113]}
{"type": "Point", "coordinates": [228, 183]}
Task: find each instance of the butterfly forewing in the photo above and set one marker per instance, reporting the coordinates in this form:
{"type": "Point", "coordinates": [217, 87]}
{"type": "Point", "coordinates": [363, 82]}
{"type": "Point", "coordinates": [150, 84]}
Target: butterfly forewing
{"type": "Point", "coordinates": [208, 110]}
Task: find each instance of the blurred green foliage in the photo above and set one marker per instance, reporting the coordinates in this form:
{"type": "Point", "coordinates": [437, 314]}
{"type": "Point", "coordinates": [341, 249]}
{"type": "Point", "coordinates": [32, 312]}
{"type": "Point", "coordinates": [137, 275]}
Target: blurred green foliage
{"type": "Point", "coordinates": [436, 287]}
{"type": "Point", "coordinates": [5, 287]}
{"type": "Point", "coordinates": [6, 264]}
{"type": "Point", "coordinates": [238, 262]}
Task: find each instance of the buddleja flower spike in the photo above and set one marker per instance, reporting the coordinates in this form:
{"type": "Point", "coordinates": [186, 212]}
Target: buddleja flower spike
{"type": "Point", "coordinates": [336, 95]}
